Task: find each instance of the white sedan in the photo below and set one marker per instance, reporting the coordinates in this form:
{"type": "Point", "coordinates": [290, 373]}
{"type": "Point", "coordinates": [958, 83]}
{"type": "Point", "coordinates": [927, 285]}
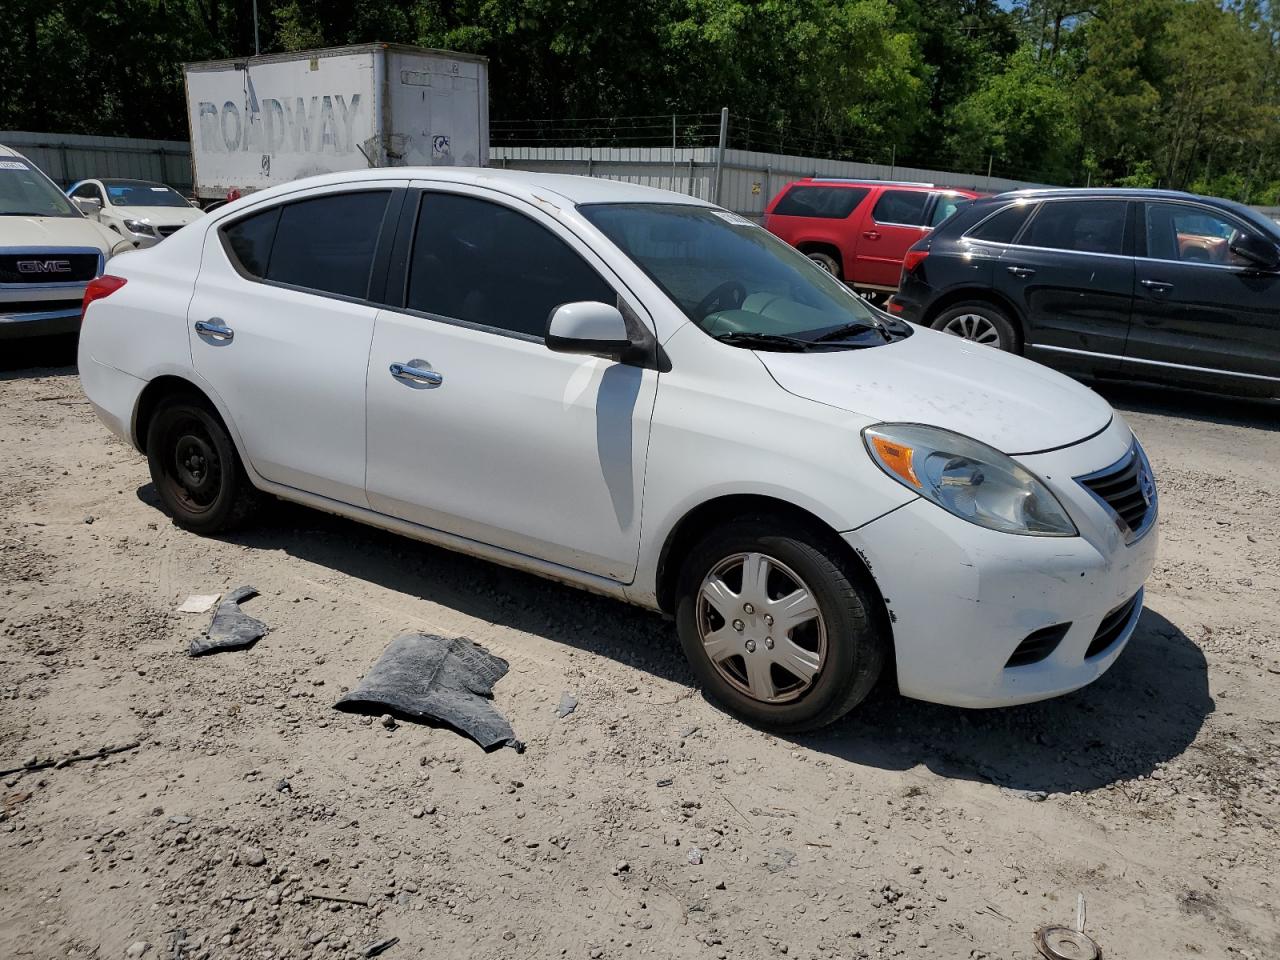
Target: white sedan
{"type": "Point", "coordinates": [645, 395]}
{"type": "Point", "coordinates": [141, 211]}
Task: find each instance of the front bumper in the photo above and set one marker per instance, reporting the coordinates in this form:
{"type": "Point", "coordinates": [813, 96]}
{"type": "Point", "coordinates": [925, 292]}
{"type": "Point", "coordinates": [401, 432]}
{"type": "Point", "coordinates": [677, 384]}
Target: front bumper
{"type": "Point", "coordinates": [962, 598]}
{"type": "Point", "coordinates": [39, 323]}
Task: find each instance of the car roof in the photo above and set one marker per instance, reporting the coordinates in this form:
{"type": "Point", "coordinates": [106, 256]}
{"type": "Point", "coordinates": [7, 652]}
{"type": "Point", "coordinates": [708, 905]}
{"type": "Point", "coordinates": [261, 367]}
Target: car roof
{"type": "Point", "coordinates": [572, 189]}
{"type": "Point", "coordinates": [9, 151]}
{"type": "Point", "coordinates": [896, 184]}
{"type": "Point", "coordinates": [1137, 193]}
{"type": "Point", "coordinates": [127, 182]}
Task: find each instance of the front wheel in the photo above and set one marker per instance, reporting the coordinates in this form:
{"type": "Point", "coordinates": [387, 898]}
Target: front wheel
{"type": "Point", "coordinates": [979, 322]}
{"type": "Point", "coordinates": [777, 626]}
{"type": "Point", "coordinates": [196, 469]}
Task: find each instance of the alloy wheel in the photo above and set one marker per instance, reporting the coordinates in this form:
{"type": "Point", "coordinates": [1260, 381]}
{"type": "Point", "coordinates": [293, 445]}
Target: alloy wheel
{"type": "Point", "coordinates": [976, 328]}
{"type": "Point", "coordinates": [761, 627]}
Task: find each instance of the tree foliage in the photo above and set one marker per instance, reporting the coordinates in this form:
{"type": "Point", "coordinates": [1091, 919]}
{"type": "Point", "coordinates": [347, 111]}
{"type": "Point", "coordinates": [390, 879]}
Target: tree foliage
{"type": "Point", "coordinates": [1180, 93]}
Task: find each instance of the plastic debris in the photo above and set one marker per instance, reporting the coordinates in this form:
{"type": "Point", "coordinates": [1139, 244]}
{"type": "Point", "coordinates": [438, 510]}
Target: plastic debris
{"type": "Point", "coordinates": [568, 704]}
{"type": "Point", "coordinates": [428, 678]}
{"type": "Point", "coordinates": [379, 946]}
{"type": "Point", "coordinates": [199, 603]}
{"type": "Point", "coordinates": [231, 628]}
{"type": "Point", "coordinates": [1063, 943]}
{"type": "Point", "coordinates": [695, 856]}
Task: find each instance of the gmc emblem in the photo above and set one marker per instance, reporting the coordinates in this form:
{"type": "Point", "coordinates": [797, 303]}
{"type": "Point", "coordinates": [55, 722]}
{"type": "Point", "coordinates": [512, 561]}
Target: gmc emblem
{"type": "Point", "coordinates": [44, 266]}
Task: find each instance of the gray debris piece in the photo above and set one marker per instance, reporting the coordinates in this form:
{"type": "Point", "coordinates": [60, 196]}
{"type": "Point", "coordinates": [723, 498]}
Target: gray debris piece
{"type": "Point", "coordinates": [232, 628]}
{"type": "Point", "coordinates": [778, 860]}
{"type": "Point", "coordinates": [379, 946]}
{"type": "Point", "coordinates": [428, 678]}
{"type": "Point", "coordinates": [568, 704]}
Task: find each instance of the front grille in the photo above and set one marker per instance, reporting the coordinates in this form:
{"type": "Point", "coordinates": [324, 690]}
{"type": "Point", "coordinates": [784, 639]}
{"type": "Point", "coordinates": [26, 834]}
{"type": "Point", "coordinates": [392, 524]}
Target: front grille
{"type": "Point", "coordinates": [1128, 489]}
{"type": "Point", "coordinates": [1112, 626]}
{"type": "Point", "coordinates": [8, 307]}
{"type": "Point", "coordinates": [47, 266]}
{"type": "Point", "coordinates": [168, 231]}
{"type": "Point", "coordinates": [1038, 645]}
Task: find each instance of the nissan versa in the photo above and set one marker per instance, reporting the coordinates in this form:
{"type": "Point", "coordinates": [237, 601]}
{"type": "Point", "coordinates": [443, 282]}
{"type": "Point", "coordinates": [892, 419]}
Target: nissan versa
{"type": "Point", "coordinates": [644, 395]}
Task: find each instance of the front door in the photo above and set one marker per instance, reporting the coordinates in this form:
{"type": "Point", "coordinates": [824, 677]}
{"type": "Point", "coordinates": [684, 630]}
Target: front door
{"type": "Point", "coordinates": [1070, 275]}
{"type": "Point", "coordinates": [489, 435]}
{"type": "Point", "coordinates": [1199, 310]}
{"type": "Point", "coordinates": [280, 326]}
{"type": "Point", "coordinates": [895, 223]}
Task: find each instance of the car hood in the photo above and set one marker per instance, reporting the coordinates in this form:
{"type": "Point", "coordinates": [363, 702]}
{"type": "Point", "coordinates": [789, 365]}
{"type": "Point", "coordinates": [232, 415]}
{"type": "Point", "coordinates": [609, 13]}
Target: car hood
{"type": "Point", "coordinates": [160, 216]}
{"type": "Point", "coordinates": [33, 232]}
{"type": "Point", "coordinates": [1005, 401]}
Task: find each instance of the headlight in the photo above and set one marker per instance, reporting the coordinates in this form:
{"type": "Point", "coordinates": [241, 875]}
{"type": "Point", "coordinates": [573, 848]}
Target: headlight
{"type": "Point", "coordinates": [970, 479]}
{"type": "Point", "coordinates": [140, 227]}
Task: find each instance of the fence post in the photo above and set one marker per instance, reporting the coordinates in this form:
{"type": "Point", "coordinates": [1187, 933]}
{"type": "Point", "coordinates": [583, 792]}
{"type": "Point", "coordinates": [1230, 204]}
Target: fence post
{"type": "Point", "coordinates": [893, 160]}
{"type": "Point", "coordinates": [673, 152]}
{"type": "Point", "coordinates": [724, 137]}
{"type": "Point", "coordinates": [990, 160]}
{"type": "Point", "coordinates": [690, 190]}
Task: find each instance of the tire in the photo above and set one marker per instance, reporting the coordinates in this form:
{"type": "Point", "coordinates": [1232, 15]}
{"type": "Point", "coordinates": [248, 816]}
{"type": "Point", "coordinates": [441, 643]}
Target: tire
{"type": "Point", "coordinates": [195, 468]}
{"type": "Point", "coordinates": [844, 642]}
{"type": "Point", "coordinates": [978, 321]}
{"type": "Point", "coordinates": [825, 261]}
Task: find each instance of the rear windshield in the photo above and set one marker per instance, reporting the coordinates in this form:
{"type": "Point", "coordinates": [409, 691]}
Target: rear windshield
{"type": "Point", "coordinates": [140, 193]}
{"type": "Point", "coordinates": [832, 203]}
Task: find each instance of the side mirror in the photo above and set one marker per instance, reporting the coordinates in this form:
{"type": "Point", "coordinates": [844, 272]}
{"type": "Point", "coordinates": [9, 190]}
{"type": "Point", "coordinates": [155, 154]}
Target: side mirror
{"type": "Point", "coordinates": [1263, 254]}
{"type": "Point", "coordinates": [588, 327]}
{"type": "Point", "coordinates": [89, 206]}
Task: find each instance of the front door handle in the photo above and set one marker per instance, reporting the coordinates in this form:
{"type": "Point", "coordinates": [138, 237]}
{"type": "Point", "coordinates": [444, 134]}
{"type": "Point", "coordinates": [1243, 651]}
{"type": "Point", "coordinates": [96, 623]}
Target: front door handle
{"type": "Point", "coordinates": [1022, 272]}
{"type": "Point", "coordinates": [215, 329]}
{"type": "Point", "coordinates": [872, 234]}
{"type": "Point", "coordinates": [416, 374]}
{"type": "Point", "coordinates": [1157, 286]}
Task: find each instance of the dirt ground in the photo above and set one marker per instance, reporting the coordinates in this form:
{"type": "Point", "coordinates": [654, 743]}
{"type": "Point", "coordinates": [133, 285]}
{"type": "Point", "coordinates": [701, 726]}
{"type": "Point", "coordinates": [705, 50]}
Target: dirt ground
{"type": "Point", "coordinates": [907, 830]}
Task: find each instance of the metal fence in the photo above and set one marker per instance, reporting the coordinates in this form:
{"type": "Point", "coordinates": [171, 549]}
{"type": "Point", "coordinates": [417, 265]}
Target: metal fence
{"type": "Point", "coordinates": [67, 158]}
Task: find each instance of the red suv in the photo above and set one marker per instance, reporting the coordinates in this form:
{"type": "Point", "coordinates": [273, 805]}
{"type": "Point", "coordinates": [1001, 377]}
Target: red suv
{"type": "Point", "coordinates": [859, 230]}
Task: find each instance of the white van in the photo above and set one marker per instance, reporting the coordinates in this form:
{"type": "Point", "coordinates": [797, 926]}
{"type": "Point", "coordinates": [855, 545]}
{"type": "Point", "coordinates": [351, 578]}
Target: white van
{"type": "Point", "coordinates": [49, 250]}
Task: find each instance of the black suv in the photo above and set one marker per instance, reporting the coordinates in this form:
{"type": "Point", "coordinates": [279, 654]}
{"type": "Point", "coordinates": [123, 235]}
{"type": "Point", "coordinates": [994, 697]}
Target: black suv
{"type": "Point", "coordinates": [1143, 284]}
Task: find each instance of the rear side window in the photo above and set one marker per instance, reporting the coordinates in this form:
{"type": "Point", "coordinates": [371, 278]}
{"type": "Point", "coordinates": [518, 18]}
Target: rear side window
{"type": "Point", "coordinates": [1086, 226]}
{"type": "Point", "coordinates": [901, 206]}
{"type": "Point", "coordinates": [250, 241]}
{"type": "Point", "coordinates": [327, 243]}
{"type": "Point", "coordinates": [832, 203]}
{"type": "Point", "coordinates": [1003, 226]}
{"type": "Point", "coordinates": [487, 264]}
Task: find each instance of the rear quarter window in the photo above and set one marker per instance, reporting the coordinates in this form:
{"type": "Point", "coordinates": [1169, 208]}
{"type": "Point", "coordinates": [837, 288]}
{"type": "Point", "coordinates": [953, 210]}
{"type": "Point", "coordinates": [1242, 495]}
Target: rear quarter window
{"type": "Point", "coordinates": [832, 203]}
{"type": "Point", "coordinates": [901, 206]}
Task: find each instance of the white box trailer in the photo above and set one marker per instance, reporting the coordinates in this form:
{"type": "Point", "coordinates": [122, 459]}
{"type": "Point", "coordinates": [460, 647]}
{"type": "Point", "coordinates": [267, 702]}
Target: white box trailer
{"type": "Point", "coordinates": [270, 119]}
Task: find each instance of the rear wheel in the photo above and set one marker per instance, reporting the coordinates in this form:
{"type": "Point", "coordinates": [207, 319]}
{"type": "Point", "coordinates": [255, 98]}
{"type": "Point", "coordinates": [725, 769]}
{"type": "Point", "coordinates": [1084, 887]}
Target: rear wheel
{"type": "Point", "coordinates": [777, 627]}
{"type": "Point", "coordinates": [979, 322]}
{"type": "Point", "coordinates": [825, 261]}
{"type": "Point", "coordinates": [196, 469]}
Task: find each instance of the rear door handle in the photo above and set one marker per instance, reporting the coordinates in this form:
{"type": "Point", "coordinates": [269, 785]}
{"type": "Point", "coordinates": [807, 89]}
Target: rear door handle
{"type": "Point", "coordinates": [1157, 286]}
{"type": "Point", "coordinates": [215, 329]}
{"type": "Point", "coordinates": [1022, 272]}
{"type": "Point", "coordinates": [872, 234]}
{"type": "Point", "coordinates": [415, 374]}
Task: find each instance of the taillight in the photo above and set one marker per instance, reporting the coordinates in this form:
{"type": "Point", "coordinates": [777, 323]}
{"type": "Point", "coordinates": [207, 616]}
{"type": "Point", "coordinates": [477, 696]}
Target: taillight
{"type": "Point", "coordinates": [912, 260]}
{"type": "Point", "coordinates": [103, 286]}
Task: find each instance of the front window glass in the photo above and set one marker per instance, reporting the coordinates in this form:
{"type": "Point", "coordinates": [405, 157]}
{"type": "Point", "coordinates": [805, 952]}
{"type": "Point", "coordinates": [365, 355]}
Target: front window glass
{"type": "Point", "coordinates": [901, 206]}
{"type": "Point", "coordinates": [26, 192]}
{"type": "Point", "coordinates": [1179, 231]}
{"type": "Point", "coordinates": [736, 280]}
{"type": "Point", "coordinates": [141, 193]}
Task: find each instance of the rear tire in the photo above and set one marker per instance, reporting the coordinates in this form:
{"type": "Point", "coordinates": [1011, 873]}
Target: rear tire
{"type": "Point", "coordinates": [825, 261]}
{"type": "Point", "coordinates": [196, 470]}
{"type": "Point", "coordinates": [980, 321]}
{"type": "Point", "coordinates": [732, 613]}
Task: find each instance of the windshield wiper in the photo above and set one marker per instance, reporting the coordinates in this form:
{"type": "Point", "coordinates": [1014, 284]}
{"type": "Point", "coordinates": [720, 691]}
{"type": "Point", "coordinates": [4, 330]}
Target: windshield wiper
{"type": "Point", "coordinates": [766, 341]}
{"type": "Point", "coordinates": [840, 333]}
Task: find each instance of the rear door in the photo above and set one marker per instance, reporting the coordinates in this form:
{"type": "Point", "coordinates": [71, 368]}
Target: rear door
{"type": "Point", "coordinates": [1201, 312]}
{"type": "Point", "coordinates": [1070, 274]}
{"type": "Point", "coordinates": [281, 322]}
{"type": "Point", "coordinates": [819, 218]}
{"type": "Point", "coordinates": [895, 222]}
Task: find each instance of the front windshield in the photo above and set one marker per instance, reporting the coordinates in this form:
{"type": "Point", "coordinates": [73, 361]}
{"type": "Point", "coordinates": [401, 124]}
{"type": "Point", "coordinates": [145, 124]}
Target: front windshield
{"type": "Point", "coordinates": [731, 277]}
{"type": "Point", "coordinates": [140, 193]}
{"type": "Point", "coordinates": [26, 192]}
